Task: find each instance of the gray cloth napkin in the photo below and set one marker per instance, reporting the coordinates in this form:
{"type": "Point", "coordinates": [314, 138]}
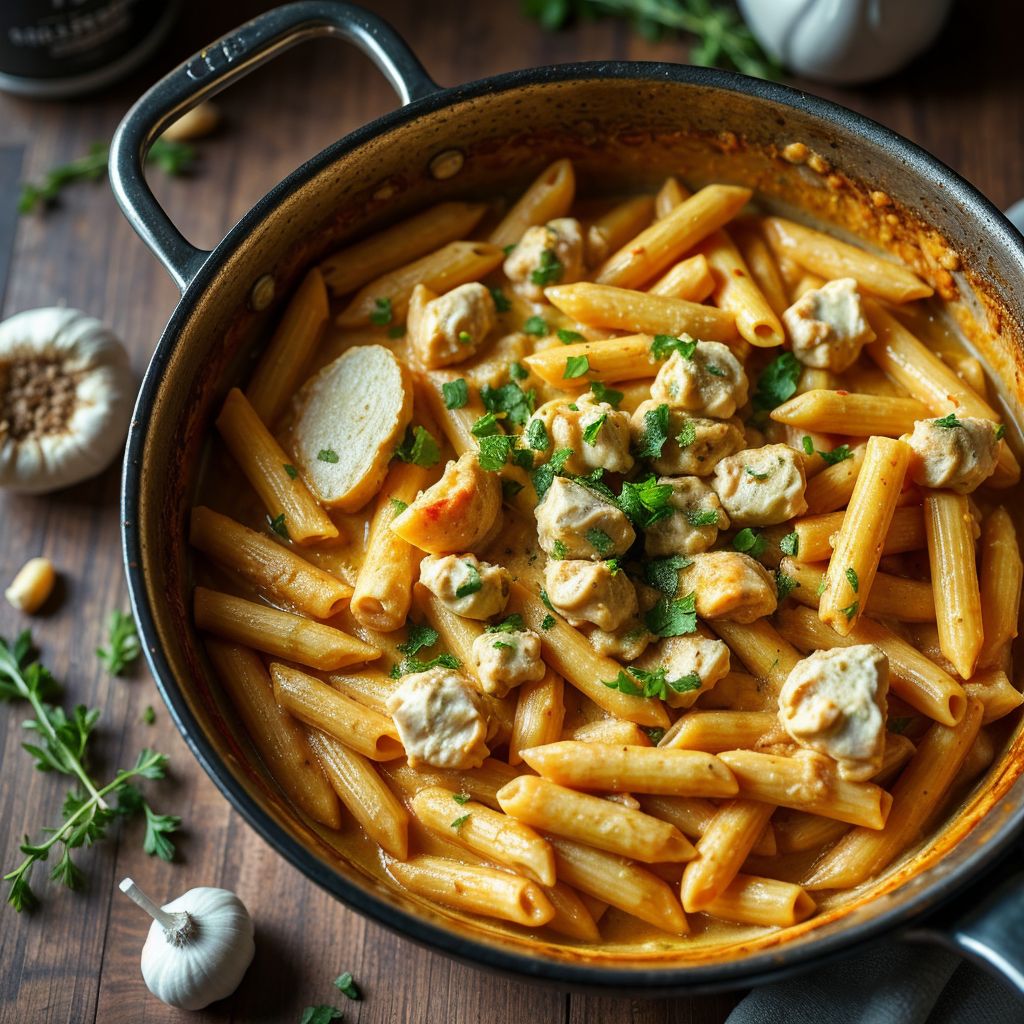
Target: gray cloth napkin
{"type": "Point", "coordinates": [900, 984]}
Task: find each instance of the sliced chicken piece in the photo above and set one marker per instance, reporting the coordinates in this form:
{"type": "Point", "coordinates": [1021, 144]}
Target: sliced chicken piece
{"type": "Point", "coordinates": [762, 486]}
{"type": "Point", "coordinates": [449, 328]}
{"type": "Point", "coordinates": [696, 518]}
{"type": "Point", "coordinates": [465, 585]}
{"type": "Point", "coordinates": [575, 522]}
{"type": "Point", "coordinates": [827, 326]}
{"type": "Point", "coordinates": [504, 660]}
{"type": "Point", "coordinates": [694, 663]}
{"type": "Point", "coordinates": [585, 591]}
{"type": "Point", "coordinates": [547, 254]}
{"type": "Point", "coordinates": [729, 585]}
{"type": "Point", "coordinates": [597, 433]}
{"type": "Point", "coordinates": [961, 455]}
{"type": "Point", "coordinates": [710, 383]}
{"type": "Point", "coordinates": [695, 444]}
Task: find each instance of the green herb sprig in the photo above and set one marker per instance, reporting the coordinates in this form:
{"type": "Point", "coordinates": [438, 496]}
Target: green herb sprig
{"type": "Point", "coordinates": [124, 643]}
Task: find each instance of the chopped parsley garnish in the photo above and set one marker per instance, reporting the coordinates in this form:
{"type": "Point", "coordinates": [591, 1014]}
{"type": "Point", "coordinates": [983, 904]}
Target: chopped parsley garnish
{"type": "Point", "coordinates": [419, 637]}
{"type": "Point", "coordinates": [486, 426]}
{"type": "Point", "coordinates": [277, 525]}
{"type": "Point", "coordinates": [850, 610]}
{"type": "Point", "coordinates": [898, 725]}
{"type": "Point", "coordinates": [560, 458]}
{"type": "Point", "coordinates": [517, 371]}
{"type": "Point", "coordinates": [543, 475]}
{"type": "Point", "coordinates": [701, 516]}
{"type": "Point", "coordinates": [535, 325]}
{"type": "Point", "coordinates": [511, 400]}
{"type": "Point", "coordinates": [673, 618]}
{"type": "Point", "coordinates": [750, 471]}
{"type": "Point", "coordinates": [851, 578]}
{"type": "Point", "coordinates": [419, 448]}
{"type": "Point", "coordinates": [837, 455]}
{"type": "Point", "coordinates": [750, 543]}
{"type": "Point", "coordinates": [599, 541]}
{"type": "Point", "coordinates": [790, 544]}
{"type": "Point", "coordinates": [715, 371]}
{"type": "Point", "coordinates": [821, 588]}
{"type": "Point", "coordinates": [513, 624]}
{"type": "Point", "coordinates": [549, 621]}
{"type": "Point", "coordinates": [456, 393]}
{"type": "Point", "coordinates": [509, 249]}
{"type": "Point", "coordinates": [546, 600]}
{"type": "Point", "coordinates": [347, 986]}
{"type": "Point", "coordinates": [784, 584]}
{"type": "Point", "coordinates": [411, 665]}
{"type": "Point", "coordinates": [382, 313]}
{"type": "Point", "coordinates": [523, 458]}
{"type": "Point", "coordinates": [398, 505]}
{"type": "Point", "coordinates": [510, 488]}
{"type": "Point", "coordinates": [501, 302]}
{"type": "Point", "coordinates": [472, 584]}
{"type": "Point", "coordinates": [663, 573]}
{"type": "Point", "coordinates": [665, 344]}
{"type": "Point", "coordinates": [559, 551]}
{"type": "Point", "coordinates": [687, 435]}
{"type": "Point", "coordinates": [569, 337]}
{"type": "Point", "coordinates": [291, 471]}
{"type": "Point", "coordinates": [603, 393]}
{"type": "Point", "coordinates": [549, 271]}
{"type": "Point", "coordinates": [494, 450]}
{"type": "Point", "coordinates": [461, 798]}
{"type": "Point", "coordinates": [149, 715]}
{"type": "Point", "coordinates": [593, 429]}
{"type": "Point", "coordinates": [808, 445]}
{"type": "Point", "coordinates": [327, 455]}
{"type": "Point", "coordinates": [500, 645]}
{"type": "Point", "coordinates": [646, 502]}
{"type": "Point", "coordinates": [594, 482]}
{"type": "Point", "coordinates": [655, 735]}
{"type": "Point", "coordinates": [777, 382]}
{"type": "Point", "coordinates": [398, 331]}
{"type": "Point", "coordinates": [949, 422]}
{"type": "Point", "coordinates": [1000, 431]}
{"type": "Point", "coordinates": [537, 436]}
{"type": "Point", "coordinates": [575, 366]}
{"type": "Point", "coordinates": [653, 683]}
{"type": "Point", "coordinates": [654, 434]}
{"type": "Point", "coordinates": [459, 822]}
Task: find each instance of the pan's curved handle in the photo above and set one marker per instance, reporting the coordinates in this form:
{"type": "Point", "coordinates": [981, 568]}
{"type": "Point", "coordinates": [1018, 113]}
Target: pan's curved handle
{"type": "Point", "coordinates": [216, 67]}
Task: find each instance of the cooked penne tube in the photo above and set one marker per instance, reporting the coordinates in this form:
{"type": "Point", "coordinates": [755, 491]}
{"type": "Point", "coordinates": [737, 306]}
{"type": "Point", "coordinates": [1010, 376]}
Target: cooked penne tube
{"type": "Point", "coordinates": [456, 631]}
{"type": "Point", "coordinates": [689, 279]}
{"type": "Point", "coordinates": [864, 852]}
{"type": "Point", "coordinates": [540, 711]}
{"type": "Point", "coordinates": [383, 590]}
{"type": "Point", "coordinates": [572, 916]}
{"type": "Point", "coordinates": [969, 370]}
{"type": "Point", "coordinates": [610, 361]}
{"type": "Point", "coordinates": [267, 564]}
{"type": "Point", "coordinates": [321, 706]}
{"type": "Point", "coordinates": [912, 676]}
{"type": "Point", "coordinates": [722, 849]}
{"type": "Point", "coordinates": [712, 731]}
{"type": "Point", "coordinates": [892, 597]}
{"type": "Point", "coordinates": [660, 245]}
{"type": "Point", "coordinates": [739, 691]}
{"type": "Point", "coordinates": [621, 769]}
{"type": "Point", "coordinates": [278, 633]}
{"type": "Point", "coordinates": [1000, 583]}
{"type": "Point", "coordinates": [692, 815]}
{"type": "Point", "coordinates": [813, 379]}
{"type": "Point", "coordinates": [612, 230]}
{"type": "Point", "coordinates": [282, 367]}
{"type": "Point", "coordinates": [602, 824]}
{"type": "Point", "coordinates": [293, 511]}
{"type": "Point", "coordinates": [481, 783]}
{"type": "Point", "coordinates": [456, 424]}
{"type": "Point", "coordinates": [569, 653]}
{"type": "Point", "coordinates": [352, 267]}
{"type": "Point", "coordinates": [454, 264]}
{"type": "Point", "coordinates": [750, 899]}
{"type": "Point", "coordinates": [861, 538]}
{"type": "Point", "coordinates": [833, 486]}
{"type": "Point", "coordinates": [842, 412]}
{"type": "Point", "coordinates": [669, 196]}
{"type": "Point", "coordinates": [620, 883]}
{"type": "Point", "coordinates": [948, 524]}
{"type": "Point", "coordinates": [763, 268]}
{"type": "Point", "coordinates": [827, 256]}
{"type": "Point", "coordinates": [365, 794]}
{"type": "Point", "coordinates": [766, 654]}
{"type": "Point", "coordinates": [906, 533]}
{"type": "Point", "coordinates": [549, 197]}
{"type": "Point", "coordinates": [602, 305]}
{"type": "Point", "coordinates": [279, 740]}
{"type": "Point", "coordinates": [807, 782]}
{"type": "Point", "coordinates": [492, 835]}
{"type": "Point", "coordinates": [993, 688]}
{"type": "Point", "coordinates": [867, 378]}
{"type": "Point", "coordinates": [738, 292]}
{"type": "Point", "coordinates": [608, 730]}
{"type": "Point", "coordinates": [475, 888]}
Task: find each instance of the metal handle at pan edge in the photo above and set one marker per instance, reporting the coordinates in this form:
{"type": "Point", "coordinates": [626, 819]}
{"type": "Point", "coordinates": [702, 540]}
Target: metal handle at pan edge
{"type": "Point", "coordinates": [216, 67]}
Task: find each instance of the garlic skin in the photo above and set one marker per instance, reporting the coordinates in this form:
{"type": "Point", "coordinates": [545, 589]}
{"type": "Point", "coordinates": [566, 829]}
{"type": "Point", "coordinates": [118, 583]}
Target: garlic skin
{"type": "Point", "coordinates": [75, 424]}
{"type": "Point", "coordinates": [198, 948]}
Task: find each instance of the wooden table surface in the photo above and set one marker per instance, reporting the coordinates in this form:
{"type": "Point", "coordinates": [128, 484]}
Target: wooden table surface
{"type": "Point", "coordinates": [77, 958]}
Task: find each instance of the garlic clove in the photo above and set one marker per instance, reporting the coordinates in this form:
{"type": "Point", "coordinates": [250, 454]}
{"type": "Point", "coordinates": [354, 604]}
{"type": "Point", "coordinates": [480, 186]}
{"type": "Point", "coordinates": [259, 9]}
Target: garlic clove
{"type": "Point", "coordinates": [66, 395]}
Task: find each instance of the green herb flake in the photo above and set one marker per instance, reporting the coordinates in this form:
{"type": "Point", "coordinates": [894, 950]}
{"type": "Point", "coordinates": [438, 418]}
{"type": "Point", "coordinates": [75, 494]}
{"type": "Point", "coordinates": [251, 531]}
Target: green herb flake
{"type": "Point", "coordinates": [123, 640]}
{"type": "Point", "coordinates": [567, 337]}
{"type": "Point", "coordinates": [673, 618]}
{"type": "Point", "coordinates": [599, 541]}
{"type": "Point", "coordinates": [701, 516]}
{"type": "Point", "coordinates": [948, 422]}
{"type": "Point", "coordinates": [850, 610]}
{"type": "Point", "coordinates": [347, 986]}
{"type": "Point", "coordinates": [837, 455]}
{"type": "Point", "coordinates": [291, 471]}
{"type": "Point", "coordinates": [419, 448]}
{"type": "Point", "coordinates": [512, 624]}
{"type": "Point", "coordinates": [465, 338]}
{"type": "Point", "coordinates": [784, 584]}
{"type": "Point", "coordinates": [398, 331]}
{"type": "Point", "coordinates": [576, 366]}
{"type": "Point", "coordinates": [715, 371]}
{"type": "Point", "coordinates": [808, 445]}
{"type": "Point", "coordinates": [509, 249]}
{"type": "Point", "coordinates": [549, 269]}
{"type": "Point", "coordinates": [149, 715]}
{"type": "Point", "coordinates": [459, 822]}
{"type": "Point", "coordinates": [898, 725]}
{"type": "Point", "coordinates": [654, 433]}
{"type": "Point", "coordinates": [1000, 431]}
{"type": "Point", "coordinates": [663, 573]}
{"type": "Point", "coordinates": [456, 393]}
{"type": "Point", "coordinates": [549, 621]}
{"type": "Point", "coordinates": [278, 526]}
{"type": "Point", "coordinates": [398, 505]}
{"type": "Point", "coordinates": [851, 578]}
{"type": "Point", "coordinates": [537, 436]}
{"type": "Point", "coordinates": [327, 455]}
{"type": "Point", "coordinates": [750, 543]}
{"type": "Point", "coordinates": [472, 585]}
{"type": "Point", "coordinates": [546, 600]}
{"type": "Point", "coordinates": [510, 488]}
{"type": "Point", "coordinates": [645, 502]}
{"type": "Point", "coordinates": [410, 665]}
{"type": "Point", "coordinates": [517, 371]}
{"type": "Point", "coordinates": [593, 429]}
{"type": "Point", "coordinates": [494, 451]}
{"type": "Point", "coordinates": [322, 1014]}
{"type": "Point", "coordinates": [501, 302]}
{"type": "Point", "coordinates": [559, 551]}
{"type": "Point", "coordinates": [821, 588]}
{"type": "Point", "coordinates": [665, 344]}
{"type": "Point", "coordinates": [418, 638]}
{"type": "Point", "coordinates": [655, 735]}
{"type": "Point", "coordinates": [687, 435]}
{"type": "Point", "coordinates": [750, 471]}
{"type": "Point", "coordinates": [790, 544]}
{"type": "Point", "coordinates": [500, 645]}
{"type": "Point", "coordinates": [510, 399]}
{"type": "Point", "coordinates": [535, 326]}
{"type": "Point", "coordinates": [382, 313]}
{"type": "Point", "coordinates": [486, 426]}
{"type": "Point", "coordinates": [777, 382]}
{"type": "Point", "coordinates": [603, 393]}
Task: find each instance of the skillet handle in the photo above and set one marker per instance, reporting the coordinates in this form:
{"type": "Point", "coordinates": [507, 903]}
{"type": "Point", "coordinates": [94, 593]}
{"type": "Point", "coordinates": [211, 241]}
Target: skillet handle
{"type": "Point", "coordinates": [216, 67]}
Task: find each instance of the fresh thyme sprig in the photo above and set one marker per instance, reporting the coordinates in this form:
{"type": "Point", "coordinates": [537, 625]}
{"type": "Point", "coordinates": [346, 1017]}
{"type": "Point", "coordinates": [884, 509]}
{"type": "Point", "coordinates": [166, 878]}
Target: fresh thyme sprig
{"type": "Point", "coordinates": [723, 38]}
{"type": "Point", "coordinates": [86, 813]}
{"type": "Point", "coordinates": [124, 642]}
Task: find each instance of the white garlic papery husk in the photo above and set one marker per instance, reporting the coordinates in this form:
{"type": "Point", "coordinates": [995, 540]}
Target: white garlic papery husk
{"type": "Point", "coordinates": [845, 42]}
{"type": "Point", "coordinates": [205, 956]}
{"type": "Point", "coordinates": [70, 422]}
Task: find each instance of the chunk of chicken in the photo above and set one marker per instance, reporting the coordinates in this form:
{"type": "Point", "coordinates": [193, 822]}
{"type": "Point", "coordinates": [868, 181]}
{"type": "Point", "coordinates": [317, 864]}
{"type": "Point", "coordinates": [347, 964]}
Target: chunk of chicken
{"type": "Point", "coordinates": [547, 254]}
{"type": "Point", "coordinates": [597, 433]}
{"type": "Point", "coordinates": [710, 383]}
{"type": "Point", "coordinates": [576, 522]}
{"type": "Point", "coordinates": [729, 585]}
{"type": "Point", "coordinates": [827, 326]}
{"type": "Point", "coordinates": [446, 329]}
{"type": "Point", "coordinates": [585, 591]}
{"type": "Point", "coordinates": [693, 663]}
{"type": "Point", "coordinates": [834, 702]}
{"type": "Point", "coordinates": [960, 457]}
{"type": "Point", "coordinates": [440, 720]}
{"type": "Point", "coordinates": [627, 641]}
{"type": "Point", "coordinates": [762, 486]}
{"type": "Point", "coordinates": [465, 585]}
{"type": "Point", "coordinates": [458, 513]}
{"type": "Point", "coordinates": [504, 660]}
{"type": "Point", "coordinates": [695, 444]}
{"type": "Point", "coordinates": [697, 516]}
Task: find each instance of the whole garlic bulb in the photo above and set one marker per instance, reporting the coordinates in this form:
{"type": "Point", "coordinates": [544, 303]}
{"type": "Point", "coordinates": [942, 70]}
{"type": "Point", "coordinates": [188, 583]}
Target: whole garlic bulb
{"type": "Point", "coordinates": [66, 394]}
{"type": "Point", "coordinates": [845, 41]}
{"type": "Point", "coordinates": [198, 946]}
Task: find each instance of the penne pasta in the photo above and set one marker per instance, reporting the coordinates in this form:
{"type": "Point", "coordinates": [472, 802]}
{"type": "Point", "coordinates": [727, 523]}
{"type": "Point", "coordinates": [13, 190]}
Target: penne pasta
{"type": "Point", "coordinates": [832, 487]}
{"type": "Point", "coordinates": [291, 508]}
{"type": "Point", "coordinates": [843, 412]}
{"type": "Point", "coordinates": [692, 815]}
{"type": "Point", "coordinates": [355, 265]}
{"type": "Point", "coordinates": [610, 361]}
{"type": "Point", "coordinates": [572, 915]}
{"type": "Point", "coordinates": [689, 279]}
{"type": "Point", "coordinates": [761, 263]}
{"type": "Point", "coordinates": [270, 566]}
{"type": "Point", "coordinates": [280, 741]}
{"type": "Point", "coordinates": [761, 649]}
{"type": "Point", "coordinates": [612, 230]}
{"type": "Point", "coordinates": [280, 634]}
{"type": "Point", "coordinates": [549, 197]}
{"type": "Point", "coordinates": [993, 688]}
{"type": "Point", "coordinates": [713, 731]}
{"type": "Point", "coordinates": [320, 706]}
{"type": "Point", "coordinates": [482, 783]}
{"type": "Point", "coordinates": [814, 533]}
{"type": "Point", "coordinates": [540, 711]}
{"type": "Point", "coordinates": [999, 583]}
{"type": "Point", "coordinates": [669, 196]}
{"type": "Point", "coordinates": [608, 730]}
{"type": "Point", "coordinates": [749, 899]}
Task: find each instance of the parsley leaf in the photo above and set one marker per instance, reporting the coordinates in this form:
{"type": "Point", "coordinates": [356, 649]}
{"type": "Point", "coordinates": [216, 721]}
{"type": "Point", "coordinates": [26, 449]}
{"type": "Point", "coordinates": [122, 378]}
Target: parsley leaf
{"type": "Point", "coordinates": [569, 337]}
{"type": "Point", "coordinates": [750, 543]}
{"type": "Point", "coordinates": [673, 618]}
{"type": "Point", "coordinates": [948, 422]}
{"type": "Point", "coordinates": [546, 600]}
{"type": "Point", "coordinates": [663, 573]}
{"type": "Point", "coordinates": [419, 637]}
{"type": "Point", "coordinates": [513, 624]}
{"type": "Point", "coordinates": [593, 429]}
{"type": "Point", "coordinates": [575, 366]}
{"type": "Point", "coordinates": [459, 822]}
{"type": "Point", "coordinates": [291, 471]}
{"type": "Point", "coordinates": [543, 475]}
{"type": "Point", "coordinates": [808, 445]}
{"type": "Point", "coordinates": [654, 433]}
{"type": "Point", "coordinates": [790, 544]}
{"type": "Point", "coordinates": [419, 448]}
{"type": "Point", "coordinates": [646, 502]}
{"type": "Point", "coordinates": [549, 270]}
{"type": "Point", "coordinates": [687, 435]}
{"type": "Point", "coordinates": [701, 516]}
{"type": "Point", "coordinates": [549, 621]}
{"type": "Point", "coordinates": [494, 451]}
{"type": "Point", "coordinates": [536, 326]}
{"type": "Point", "coordinates": [898, 725]}
{"type": "Point", "coordinates": [346, 985]}
{"type": "Point", "coordinates": [472, 584]}
{"type": "Point", "coordinates": [486, 426]}
{"type": "Point", "coordinates": [382, 314]}
{"type": "Point", "coordinates": [537, 436]}
{"type": "Point", "coordinates": [398, 331]}
{"type": "Point", "coordinates": [777, 382]}
{"type": "Point", "coordinates": [656, 682]}
{"type": "Point", "coordinates": [278, 526]}
{"type": "Point", "coordinates": [715, 371]}
{"type": "Point", "coordinates": [665, 344]}
{"type": "Point", "coordinates": [821, 587]}
{"type": "Point", "coordinates": [850, 610]}
{"type": "Point", "coordinates": [411, 665]}
{"type": "Point", "coordinates": [149, 715]}
{"type": "Point", "coordinates": [599, 541]}
{"type": "Point", "coordinates": [784, 584]}
{"type": "Point", "coordinates": [398, 505]}
{"type": "Point", "coordinates": [655, 735]}
{"type": "Point", "coordinates": [837, 455]}
{"type": "Point", "coordinates": [517, 371]}
{"type": "Point", "coordinates": [559, 551]}
{"type": "Point", "coordinates": [461, 798]}
{"type": "Point", "coordinates": [1000, 431]}
{"type": "Point", "coordinates": [501, 302]}
{"type": "Point", "coordinates": [523, 458]}
{"type": "Point", "coordinates": [603, 393]}
{"type": "Point", "coordinates": [511, 400]}
{"type": "Point", "coordinates": [851, 578]}
{"type": "Point", "coordinates": [510, 488]}
{"type": "Point", "coordinates": [322, 1014]}
{"type": "Point", "coordinates": [327, 455]}
{"type": "Point", "coordinates": [124, 642]}
{"type": "Point", "coordinates": [757, 476]}
{"type": "Point", "coordinates": [456, 393]}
